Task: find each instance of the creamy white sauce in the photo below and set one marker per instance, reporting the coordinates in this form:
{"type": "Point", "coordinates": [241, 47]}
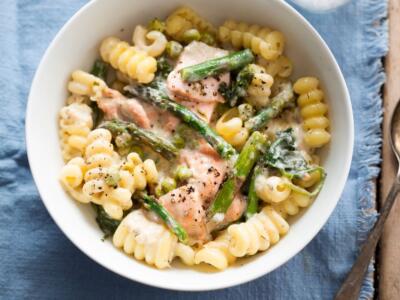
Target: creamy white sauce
{"type": "Point", "coordinates": [146, 231]}
{"type": "Point", "coordinates": [218, 217]}
{"type": "Point", "coordinates": [77, 113]}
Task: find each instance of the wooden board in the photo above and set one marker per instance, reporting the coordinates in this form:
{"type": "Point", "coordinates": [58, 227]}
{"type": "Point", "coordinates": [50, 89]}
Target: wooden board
{"type": "Point", "coordinates": [389, 253]}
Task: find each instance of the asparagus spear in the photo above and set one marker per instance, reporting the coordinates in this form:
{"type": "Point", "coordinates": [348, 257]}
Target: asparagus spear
{"type": "Point", "coordinates": [99, 69]}
{"type": "Point", "coordinates": [245, 162]}
{"type": "Point", "coordinates": [215, 66]}
{"type": "Point", "coordinates": [252, 198]}
{"type": "Point", "coordinates": [278, 103]}
{"type": "Point", "coordinates": [156, 95]}
{"type": "Point", "coordinates": [152, 204]}
{"type": "Point", "coordinates": [158, 144]}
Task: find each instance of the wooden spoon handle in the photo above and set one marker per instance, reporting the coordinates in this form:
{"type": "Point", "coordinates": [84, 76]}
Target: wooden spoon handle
{"type": "Point", "coordinates": [350, 289]}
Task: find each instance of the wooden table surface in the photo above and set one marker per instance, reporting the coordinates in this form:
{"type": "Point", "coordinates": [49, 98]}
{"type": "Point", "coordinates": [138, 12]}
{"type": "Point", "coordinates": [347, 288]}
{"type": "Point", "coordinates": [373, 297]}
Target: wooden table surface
{"type": "Point", "coordinates": [389, 252]}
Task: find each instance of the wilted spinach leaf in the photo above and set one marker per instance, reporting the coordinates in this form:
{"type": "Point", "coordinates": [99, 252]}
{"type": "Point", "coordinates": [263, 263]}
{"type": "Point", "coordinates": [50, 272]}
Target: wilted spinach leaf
{"type": "Point", "coordinates": [284, 156]}
{"type": "Point", "coordinates": [237, 89]}
{"type": "Point", "coordinates": [107, 224]}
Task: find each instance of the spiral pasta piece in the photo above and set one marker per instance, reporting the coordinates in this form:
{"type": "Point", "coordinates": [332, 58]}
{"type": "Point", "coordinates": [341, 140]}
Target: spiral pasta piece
{"type": "Point", "coordinates": [149, 241]}
{"type": "Point", "coordinates": [158, 41]}
{"type": "Point", "coordinates": [230, 127]}
{"type": "Point", "coordinates": [131, 61]}
{"type": "Point", "coordinates": [258, 233]}
{"type": "Point", "coordinates": [71, 178]}
{"type": "Point", "coordinates": [183, 19]}
{"type": "Point", "coordinates": [75, 124]}
{"type": "Point", "coordinates": [259, 89]}
{"type": "Point", "coordinates": [313, 111]}
{"type": "Point", "coordinates": [282, 66]}
{"type": "Point", "coordinates": [144, 172]}
{"type": "Point", "coordinates": [216, 253]}
{"type": "Point", "coordinates": [261, 40]}
{"type": "Point", "coordinates": [292, 205]}
{"type": "Point", "coordinates": [272, 189]}
{"type": "Point", "coordinates": [85, 84]}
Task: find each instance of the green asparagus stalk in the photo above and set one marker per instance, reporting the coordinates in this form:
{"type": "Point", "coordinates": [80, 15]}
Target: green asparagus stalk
{"type": "Point", "coordinates": [156, 95]}
{"type": "Point", "coordinates": [252, 198]}
{"type": "Point", "coordinates": [212, 67]}
{"type": "Point", "coordinates": [152, 204]}
{"type": "Point", "coordinates": [158, 144]}
{"type": "Point", "coordinates": [99, 69]}
{"type": "Point", "coordinates": [278, 103]}
{"type": "Point", "coordinates": [245, 162]}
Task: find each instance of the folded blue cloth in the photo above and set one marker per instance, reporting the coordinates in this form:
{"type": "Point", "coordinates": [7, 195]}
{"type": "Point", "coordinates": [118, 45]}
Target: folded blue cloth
{"type": "Point", "coordinates": [36, 259]}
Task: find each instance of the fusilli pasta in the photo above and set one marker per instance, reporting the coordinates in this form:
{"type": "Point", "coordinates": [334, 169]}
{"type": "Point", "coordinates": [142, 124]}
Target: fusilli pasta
{"type": "Point", "coordinates": [157, 39]}
{"type": "Point", "coordinates": [144, 173]}
{"type": "Point", "coordinates": [150, 241]}
{"type": "Point", "coordinates": [85, 84]}
{"type": "Point", "coordinates": [260, 87]}
{"type": "Point", "coordinates": [104, 183]}
{"type": "Point", "coordinates": [272, 189]}
{"type": "Point", "coordinates": [72, 178]}
{"type": "Point", "coordinates": [258, 233]}
{"type": "Point", "coordinates": [292, 205]}
{"type": "Point", "coordinates": [230, 127]}
{"type": "Point", "coordinates": [216, 253]}
{"type": "Point", "coordinates": [313, 111]}
{"type": "Point", "coordinates": [281, 67]}
{"type": "Point", "coordinates": [184, 19]}
{"type": "Point", "coordinates": [75, 124]}
{"type": "Point", "coordinates": [261, 40]}
{"type": "Point", "coordinates": [129, 60]}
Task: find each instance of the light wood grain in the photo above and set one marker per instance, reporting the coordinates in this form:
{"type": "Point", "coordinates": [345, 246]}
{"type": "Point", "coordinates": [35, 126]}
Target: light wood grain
{"type": "Point", "coordinates": [389, 260]}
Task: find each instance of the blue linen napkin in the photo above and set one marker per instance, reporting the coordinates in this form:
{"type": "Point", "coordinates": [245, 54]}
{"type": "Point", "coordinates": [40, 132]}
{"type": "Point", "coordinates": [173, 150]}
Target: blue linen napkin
{"type": "Point", "coordinates": [36, 259]}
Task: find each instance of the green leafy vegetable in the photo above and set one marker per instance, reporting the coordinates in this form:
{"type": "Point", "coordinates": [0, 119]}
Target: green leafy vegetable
{"type": "Point", "coordinates": [284, 156]}
{"type": "Point", "coordinates": [238, 88]}
{"type": "Point", "coordinates": [163, 67]}
{"type": "Point", "coordinates": [317, 188]}
{"type": "Point", "coordinates": [99, 69]}
{"type": "Point", "coordinates": [107, 224]}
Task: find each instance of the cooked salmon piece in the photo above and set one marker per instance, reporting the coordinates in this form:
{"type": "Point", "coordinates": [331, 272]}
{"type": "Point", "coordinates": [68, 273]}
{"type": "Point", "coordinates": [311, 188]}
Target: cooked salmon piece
{"type": "Point", "coordinates": [117, 106]}
{"type": "Point", "coordinates": [188, 204]}
{"type": "Point", "coordinates": [208, 170]}
{"type": "Point", "coordinates": [203, 109]}
{"type": "Point", "coordinates": [185, 205]}
{"type": "Point", "coordinates": [234, 212]}
{"type": "Point", "coordinates": [205, 90]}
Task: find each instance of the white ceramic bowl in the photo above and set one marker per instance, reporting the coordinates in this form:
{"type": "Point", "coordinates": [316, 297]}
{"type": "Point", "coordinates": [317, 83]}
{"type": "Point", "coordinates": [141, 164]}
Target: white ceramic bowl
{"type": "Point", "coordinates": [76, 46]}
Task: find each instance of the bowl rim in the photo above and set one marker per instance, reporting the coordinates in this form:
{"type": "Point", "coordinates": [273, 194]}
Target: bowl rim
{"type": "Point", "coordinates": [171, 285]}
